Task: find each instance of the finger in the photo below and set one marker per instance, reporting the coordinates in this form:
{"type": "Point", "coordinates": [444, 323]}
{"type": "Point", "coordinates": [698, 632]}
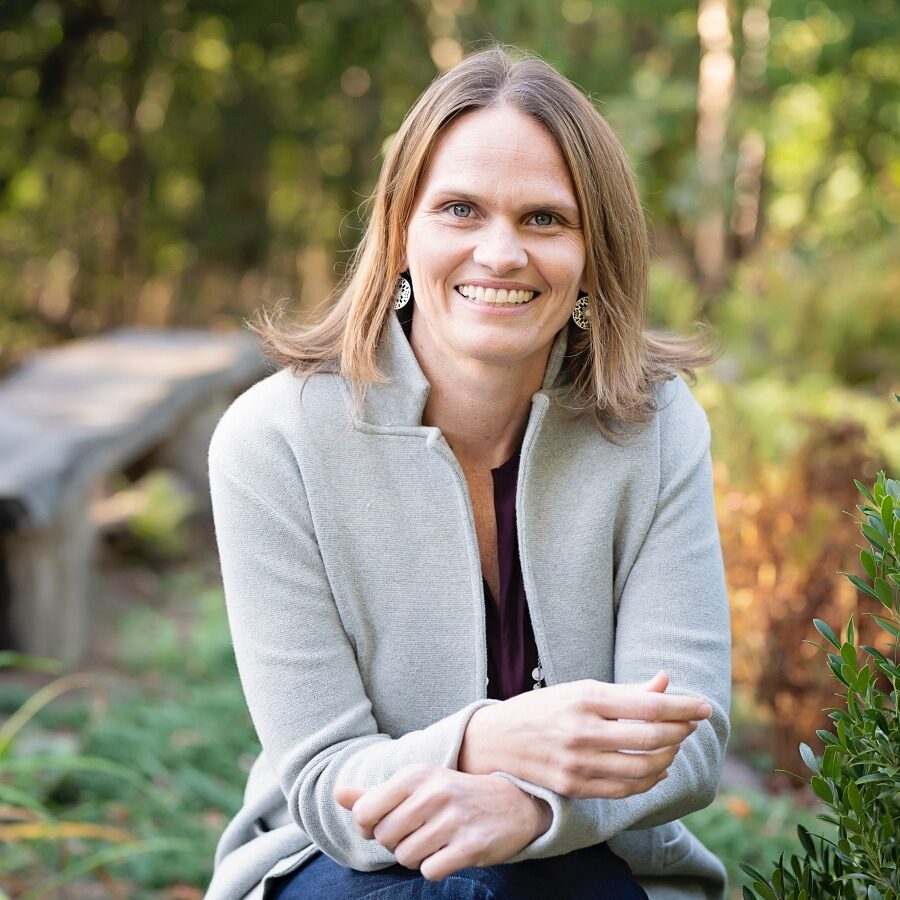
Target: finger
{"type": "Point", "coordinates": [632, 766]}
{"type": "Point", "coordinates": [658, 683]}
{"type": "Point", "coordinates": [378, 801]}
{"type": "Point", "coordinates": [346, 796]}
{"type": "Point", "coordinates": [615, 701]}
{"type": "Point", "coordinates": [645, 736]}
{"type": "Point", "coordinates": [445, 862]}
{"type": "Point", "coordinates": [420, 844]}
{"type": "Point", "coordinates": [400, 826]}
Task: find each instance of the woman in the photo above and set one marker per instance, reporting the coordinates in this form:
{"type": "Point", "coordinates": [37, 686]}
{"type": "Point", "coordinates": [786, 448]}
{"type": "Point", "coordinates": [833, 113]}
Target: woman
{"type": "Point", "coordinates": [495, 482]}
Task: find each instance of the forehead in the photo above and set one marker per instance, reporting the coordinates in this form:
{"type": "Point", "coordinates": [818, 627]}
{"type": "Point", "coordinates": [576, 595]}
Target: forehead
{"type": "Point", "coordinates": [497, 151]}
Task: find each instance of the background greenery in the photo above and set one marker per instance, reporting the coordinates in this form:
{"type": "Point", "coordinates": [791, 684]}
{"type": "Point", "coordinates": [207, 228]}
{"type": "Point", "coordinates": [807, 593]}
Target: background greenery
{"type": "Point", "coordinates": [168, 163]}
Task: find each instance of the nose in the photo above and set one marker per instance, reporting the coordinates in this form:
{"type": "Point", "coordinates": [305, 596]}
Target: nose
{"type": "Point", "coordinates": [500, 248]}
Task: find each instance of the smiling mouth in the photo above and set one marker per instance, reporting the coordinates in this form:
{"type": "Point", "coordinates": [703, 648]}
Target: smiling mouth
{"type": "Point", "coordinates": [495, 296]}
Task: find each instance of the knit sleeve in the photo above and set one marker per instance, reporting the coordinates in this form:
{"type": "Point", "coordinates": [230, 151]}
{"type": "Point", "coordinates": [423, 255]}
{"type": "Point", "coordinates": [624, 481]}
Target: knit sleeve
{"type": "Point", "coordinates": [296, 663]}
{"type": "Point", "coordinates": [672, 614]}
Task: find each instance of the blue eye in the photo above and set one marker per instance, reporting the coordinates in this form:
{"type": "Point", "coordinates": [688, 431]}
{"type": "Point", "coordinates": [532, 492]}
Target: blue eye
{"type": "Point", "coordinates": [455, 206]}
{"type": "Point", "coordinates": [549, 216]}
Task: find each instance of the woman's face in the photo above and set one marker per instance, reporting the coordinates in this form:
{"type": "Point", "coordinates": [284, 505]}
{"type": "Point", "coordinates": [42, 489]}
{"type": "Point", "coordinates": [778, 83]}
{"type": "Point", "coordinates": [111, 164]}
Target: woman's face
{"type": "Point", "coordinates": [495, 210]}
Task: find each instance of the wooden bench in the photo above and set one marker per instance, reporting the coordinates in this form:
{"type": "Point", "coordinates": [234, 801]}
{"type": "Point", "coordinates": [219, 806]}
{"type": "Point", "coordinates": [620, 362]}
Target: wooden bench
{"type": "Point", "coordinates": [69, 417]}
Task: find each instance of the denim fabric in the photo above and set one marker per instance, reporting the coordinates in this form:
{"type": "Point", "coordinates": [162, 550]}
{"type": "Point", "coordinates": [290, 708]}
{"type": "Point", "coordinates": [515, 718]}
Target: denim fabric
{"type": "Point", "coordinates": [592, 873]}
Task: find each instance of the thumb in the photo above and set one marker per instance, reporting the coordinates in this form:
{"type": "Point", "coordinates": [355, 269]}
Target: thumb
{"type": "Point", "coordinates": [346, 796]}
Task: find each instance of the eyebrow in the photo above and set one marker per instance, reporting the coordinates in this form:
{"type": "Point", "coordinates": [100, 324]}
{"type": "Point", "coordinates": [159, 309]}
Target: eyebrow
{"type": "Point", "coordinates": [557, 206]}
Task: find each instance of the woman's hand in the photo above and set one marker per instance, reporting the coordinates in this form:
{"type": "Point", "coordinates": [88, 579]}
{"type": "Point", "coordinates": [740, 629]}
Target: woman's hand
{"type": "Point", "coordinates": [440, 820]}
{"type": "Point", "coordinates": [580, 738]}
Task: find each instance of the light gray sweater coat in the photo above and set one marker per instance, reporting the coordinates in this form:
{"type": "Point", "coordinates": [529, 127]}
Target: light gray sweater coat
{"type": "Point", "coordinates": [354, 595]}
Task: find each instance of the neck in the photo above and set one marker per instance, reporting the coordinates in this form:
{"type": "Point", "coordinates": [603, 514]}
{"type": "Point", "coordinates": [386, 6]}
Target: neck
{"type": "Point", "coordinates": [481, 408]}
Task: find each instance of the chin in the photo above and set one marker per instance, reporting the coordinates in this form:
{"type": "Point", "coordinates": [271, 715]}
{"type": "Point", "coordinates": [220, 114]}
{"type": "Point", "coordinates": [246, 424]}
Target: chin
{"type": "Point", "coordinates": [491, 351]}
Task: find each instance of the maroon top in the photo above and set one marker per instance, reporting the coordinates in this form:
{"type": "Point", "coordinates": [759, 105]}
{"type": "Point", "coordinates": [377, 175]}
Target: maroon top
{"type": "Point", "coordinates": [511, 649]}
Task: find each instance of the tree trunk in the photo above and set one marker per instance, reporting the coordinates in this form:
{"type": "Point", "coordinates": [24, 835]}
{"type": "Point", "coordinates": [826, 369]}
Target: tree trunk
{"type": "Point", "coordinates": [715, 91]}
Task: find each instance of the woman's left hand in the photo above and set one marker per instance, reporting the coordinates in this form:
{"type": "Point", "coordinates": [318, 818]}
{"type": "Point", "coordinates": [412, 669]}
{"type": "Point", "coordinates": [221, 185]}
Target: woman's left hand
{"type": "Point", "coordinates": [440, 820]}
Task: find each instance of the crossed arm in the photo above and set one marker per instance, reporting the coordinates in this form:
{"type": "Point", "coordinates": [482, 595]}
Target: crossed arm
{"type": "Point", "coordinates": [568, 736]}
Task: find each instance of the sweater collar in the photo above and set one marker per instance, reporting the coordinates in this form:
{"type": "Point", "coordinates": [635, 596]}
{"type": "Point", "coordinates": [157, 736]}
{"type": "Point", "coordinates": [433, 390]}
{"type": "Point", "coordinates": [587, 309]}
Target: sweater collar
{"type": "Point", "coordinates": [401, 401]}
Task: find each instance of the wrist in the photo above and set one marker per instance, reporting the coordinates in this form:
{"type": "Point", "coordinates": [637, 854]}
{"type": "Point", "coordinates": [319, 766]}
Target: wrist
{"type": "Point", "coordinates": [544, 817]}
{"type": "Point", "coordinates": [477, 752]}
{"type": "Point", "coordinates": [534, 814]}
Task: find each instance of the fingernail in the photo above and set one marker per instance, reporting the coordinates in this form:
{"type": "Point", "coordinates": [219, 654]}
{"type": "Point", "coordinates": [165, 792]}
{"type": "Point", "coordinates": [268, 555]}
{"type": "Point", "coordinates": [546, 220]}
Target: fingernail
{"type": "Point", "coordinates": [705, 710]}
{"type": "Point", "coordinates": [695, 726]}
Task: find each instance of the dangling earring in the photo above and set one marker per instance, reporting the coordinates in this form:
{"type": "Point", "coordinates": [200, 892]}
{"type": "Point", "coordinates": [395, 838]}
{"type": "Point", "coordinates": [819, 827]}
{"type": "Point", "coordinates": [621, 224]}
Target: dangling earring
{"type": "Point", "coordinates": [402, 292]}
{"type": "Point", "coordinates": [581, 315]}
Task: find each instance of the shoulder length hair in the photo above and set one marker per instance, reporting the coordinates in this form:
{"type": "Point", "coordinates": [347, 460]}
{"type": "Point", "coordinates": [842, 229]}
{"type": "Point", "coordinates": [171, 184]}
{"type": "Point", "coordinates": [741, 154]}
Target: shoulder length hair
{"type": "Point", "coordinates": [612, 367]}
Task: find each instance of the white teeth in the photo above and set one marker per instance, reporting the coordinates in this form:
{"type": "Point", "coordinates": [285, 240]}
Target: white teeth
{"type": "Point", "coordinates": [495, 296]}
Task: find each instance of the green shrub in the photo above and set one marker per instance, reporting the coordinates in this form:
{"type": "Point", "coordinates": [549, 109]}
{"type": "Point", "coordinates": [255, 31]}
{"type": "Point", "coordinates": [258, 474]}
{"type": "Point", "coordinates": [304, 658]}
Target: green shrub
{"type": "Point", "coordinates": [858, 776]}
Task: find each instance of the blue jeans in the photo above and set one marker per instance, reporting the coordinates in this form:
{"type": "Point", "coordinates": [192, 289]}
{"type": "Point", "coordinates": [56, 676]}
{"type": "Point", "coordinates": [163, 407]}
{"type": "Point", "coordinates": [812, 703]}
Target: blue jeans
{"type": "Point", "coordinates": [592, 873]}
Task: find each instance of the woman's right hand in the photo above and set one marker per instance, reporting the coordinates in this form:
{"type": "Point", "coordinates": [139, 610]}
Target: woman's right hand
{"type": "Point", "coordinates": [584, 738]}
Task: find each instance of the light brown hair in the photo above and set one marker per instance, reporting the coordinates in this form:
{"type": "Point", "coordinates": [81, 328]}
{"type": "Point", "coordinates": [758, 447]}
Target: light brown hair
{"type": "Point", "coordinates": [610, 368]}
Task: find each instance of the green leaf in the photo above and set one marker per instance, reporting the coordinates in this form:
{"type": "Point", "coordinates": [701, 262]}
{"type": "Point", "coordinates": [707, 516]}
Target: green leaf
{"type": "Point", "coordinates": [873, 537]}
{"type": "Point", "coordinates": [848, 676]}
{"type": "Point", "coordinates": [827, 737]}
{"type": "Point", "coordinates": [806, 841]}
{"type": "Point", "coordinates": [809, 758]}
{"type": "Point", "coordinates": [868, 563]}
{"type": "Point", "coordinates": [887, 626]}
{"type": "Point", "coordinates": [834, 663]}
{"type": "Point", "coordinates": [752, 873]}
{"type": "Point", "coordinates": [821, 789]}
{"type": "Point", "coordinates": [874, 651]}
{"type": "Point", "coordinates": [887, 512]}
{"type": "Point", "coordinates": [831, 762]}
{"type": "Point", "coordinates": [825, 630]}
{"type": "Point", "coordinates": [857, 582]}
{"type": "Point", "coordinates": [848, 655]}
{"type": "Point", "coordinates": [883, 592]}
{"type": "Point", "coordinates": [869, 779]}
{"type": "Point", "coordinates": [864, 491]}
{"type": "Point", "coordinates": [855, 799]}
{"type": "Point", "coordinates": [892, 486]}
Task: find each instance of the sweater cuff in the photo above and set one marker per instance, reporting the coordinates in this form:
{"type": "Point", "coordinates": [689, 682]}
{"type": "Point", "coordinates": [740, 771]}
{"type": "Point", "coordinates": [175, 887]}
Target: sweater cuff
{"type": "Point", "coordinates": [552, 842]}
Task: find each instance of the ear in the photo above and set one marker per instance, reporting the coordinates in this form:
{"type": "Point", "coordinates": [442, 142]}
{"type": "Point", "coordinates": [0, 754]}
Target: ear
{"type": "Point", "coordinates": [404, 262]}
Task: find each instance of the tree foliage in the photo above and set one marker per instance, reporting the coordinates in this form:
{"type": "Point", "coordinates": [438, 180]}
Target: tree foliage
{"type": "Point", "coordinates": [181, 162]}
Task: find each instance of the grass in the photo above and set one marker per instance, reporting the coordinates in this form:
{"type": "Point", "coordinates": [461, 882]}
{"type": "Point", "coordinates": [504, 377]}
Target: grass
{"type": "Point", "coordinates": [173, 717]}
{"type": "Point", "coordinates": [170, 714]}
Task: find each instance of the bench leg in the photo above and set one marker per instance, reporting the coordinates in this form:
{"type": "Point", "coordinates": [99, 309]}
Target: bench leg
{"type": "Point", "coordinates": [47, 573]}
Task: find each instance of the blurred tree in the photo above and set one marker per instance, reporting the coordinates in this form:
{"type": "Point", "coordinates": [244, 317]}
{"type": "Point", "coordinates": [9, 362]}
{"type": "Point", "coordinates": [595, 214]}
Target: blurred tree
{"type": "Point", "coordinates": [184, 162]}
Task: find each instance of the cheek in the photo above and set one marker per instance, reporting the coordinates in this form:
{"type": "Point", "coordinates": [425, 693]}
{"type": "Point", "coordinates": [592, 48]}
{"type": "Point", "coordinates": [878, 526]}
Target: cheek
{"type": "Point", "coordinates": [426, 242]}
